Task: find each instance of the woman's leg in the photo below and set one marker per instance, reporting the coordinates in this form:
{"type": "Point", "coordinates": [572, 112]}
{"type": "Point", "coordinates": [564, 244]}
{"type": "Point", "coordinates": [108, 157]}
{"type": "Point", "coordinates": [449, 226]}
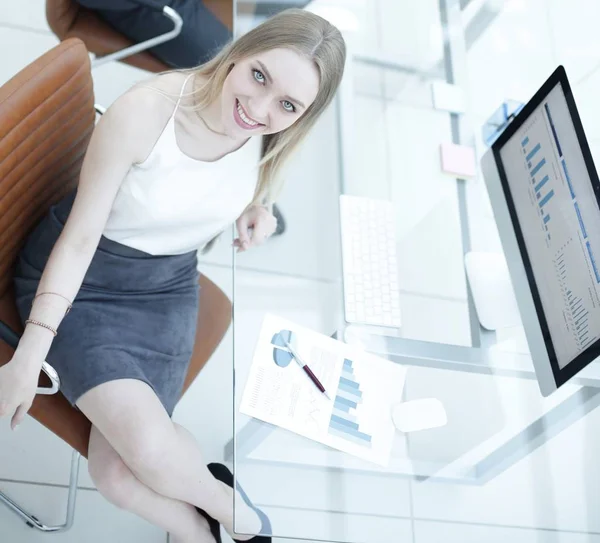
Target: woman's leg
{"type": "Point", "coordinates": [163, 456]}
{"type": "Point", "coordinates": [115, 481]}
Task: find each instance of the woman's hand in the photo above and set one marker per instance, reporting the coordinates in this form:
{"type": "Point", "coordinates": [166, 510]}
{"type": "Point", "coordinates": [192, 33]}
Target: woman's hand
{"type": "Point", "coordinates": [18, 385]}
{"type": "Point", "coordinates": [255, 226]}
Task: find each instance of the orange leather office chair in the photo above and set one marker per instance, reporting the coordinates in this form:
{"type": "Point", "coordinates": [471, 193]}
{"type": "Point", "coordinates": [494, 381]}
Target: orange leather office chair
{"type": "Point", "coordinates": [46, 120]}
{"type": "Point", "coordinates": [68, 19]}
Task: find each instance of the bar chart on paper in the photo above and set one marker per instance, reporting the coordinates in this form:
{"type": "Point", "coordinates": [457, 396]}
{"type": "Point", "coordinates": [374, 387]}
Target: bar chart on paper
{"type": "Point", "coordinates": [354, 418]}
{"type": "Point", "coordinates": [344, 421]}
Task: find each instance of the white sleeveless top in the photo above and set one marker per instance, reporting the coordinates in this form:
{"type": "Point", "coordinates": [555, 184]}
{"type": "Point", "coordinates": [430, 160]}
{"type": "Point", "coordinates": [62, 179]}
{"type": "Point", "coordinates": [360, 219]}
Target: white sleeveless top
{"type": "Point", "coordinates": [173, 204]}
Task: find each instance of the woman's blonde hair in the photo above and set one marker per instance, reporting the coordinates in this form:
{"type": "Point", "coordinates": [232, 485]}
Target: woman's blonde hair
{"type": "Point", "coordinates": [310, 36]}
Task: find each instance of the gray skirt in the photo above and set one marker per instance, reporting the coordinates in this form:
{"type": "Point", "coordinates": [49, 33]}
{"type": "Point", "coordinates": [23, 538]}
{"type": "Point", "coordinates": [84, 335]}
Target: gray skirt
{"type": "Point", "coordinates": [133, 318]}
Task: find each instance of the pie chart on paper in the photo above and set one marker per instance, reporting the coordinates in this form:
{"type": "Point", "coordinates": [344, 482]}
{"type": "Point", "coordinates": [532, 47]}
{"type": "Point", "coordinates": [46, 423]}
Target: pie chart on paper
{"type": "Point", "coordinates": [281, 355]}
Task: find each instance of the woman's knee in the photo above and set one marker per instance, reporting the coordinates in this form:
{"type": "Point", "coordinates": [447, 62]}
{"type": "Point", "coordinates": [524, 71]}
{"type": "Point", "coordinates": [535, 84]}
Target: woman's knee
{"type": "Point", "coordinates": [113, 479]}
{"type": "Point", "coordinates": [129, 415]}
{"type": "Point", "coordinates": [148, 450]}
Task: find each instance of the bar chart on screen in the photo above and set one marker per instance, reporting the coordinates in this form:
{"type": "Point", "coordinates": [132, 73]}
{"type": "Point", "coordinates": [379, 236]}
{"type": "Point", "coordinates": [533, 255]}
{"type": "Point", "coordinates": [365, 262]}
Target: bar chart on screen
{"type": "Point", "coordinates": [539, 172]}
{"type": "Point", "coordinates": [575, 298]}
{"type": "Point", "coordinates": [552, 192]}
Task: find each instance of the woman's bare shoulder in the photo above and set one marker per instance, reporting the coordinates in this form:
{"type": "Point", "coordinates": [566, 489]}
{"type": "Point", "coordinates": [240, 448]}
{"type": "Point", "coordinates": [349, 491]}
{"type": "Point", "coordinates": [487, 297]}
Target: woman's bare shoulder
{"type": "Point", "coordinates": [160, 91]}
{"type": "Point", "coordinates": [143, 111]}
{"type": "Point", "coordinates": [170, 83]}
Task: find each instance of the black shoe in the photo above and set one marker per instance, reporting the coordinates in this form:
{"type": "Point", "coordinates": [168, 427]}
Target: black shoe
{"type": "Point", "coordinates": [215, 527]}
{"type": "Point", "coordinates": [280, 221]}
{"type": "Point", "coordinates": [222, 473]}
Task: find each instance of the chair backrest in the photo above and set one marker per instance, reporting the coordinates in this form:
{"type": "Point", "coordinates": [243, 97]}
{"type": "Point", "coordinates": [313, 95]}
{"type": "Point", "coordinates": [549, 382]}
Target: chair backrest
{"type": "Point", "coordinates": [46, 120]}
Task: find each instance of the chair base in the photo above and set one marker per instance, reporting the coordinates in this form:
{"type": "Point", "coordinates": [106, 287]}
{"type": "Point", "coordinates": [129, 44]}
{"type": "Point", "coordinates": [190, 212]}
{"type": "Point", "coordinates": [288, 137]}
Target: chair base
{"type": "Point", "coordinates": [33, 521]}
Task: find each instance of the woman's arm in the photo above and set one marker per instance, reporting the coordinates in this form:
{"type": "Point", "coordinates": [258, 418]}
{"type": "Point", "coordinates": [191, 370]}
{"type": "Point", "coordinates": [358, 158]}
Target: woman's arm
{"type": "Point", "coordinates": [124, 135]}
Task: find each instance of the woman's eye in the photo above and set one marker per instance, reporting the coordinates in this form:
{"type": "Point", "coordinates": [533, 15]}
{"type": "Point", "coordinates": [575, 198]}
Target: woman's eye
{"type": "Point", "coordinates": [259, 76]}
{"type": "Point", "coordinates": [288, 106]}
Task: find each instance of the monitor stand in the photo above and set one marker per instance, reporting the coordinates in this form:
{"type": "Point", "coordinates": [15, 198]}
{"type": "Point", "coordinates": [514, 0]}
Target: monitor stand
{"type": "Point", "coordinates": [492, 290]}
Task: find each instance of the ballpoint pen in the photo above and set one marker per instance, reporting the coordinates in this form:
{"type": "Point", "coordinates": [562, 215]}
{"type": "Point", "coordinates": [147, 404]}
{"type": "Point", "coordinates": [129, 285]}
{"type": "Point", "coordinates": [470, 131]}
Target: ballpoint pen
{"type": "Point", "coordinates": [308, 371]}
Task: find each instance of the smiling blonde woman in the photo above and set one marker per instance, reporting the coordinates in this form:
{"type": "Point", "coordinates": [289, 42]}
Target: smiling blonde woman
{"type": "Point", "coordinates": [159, 182]}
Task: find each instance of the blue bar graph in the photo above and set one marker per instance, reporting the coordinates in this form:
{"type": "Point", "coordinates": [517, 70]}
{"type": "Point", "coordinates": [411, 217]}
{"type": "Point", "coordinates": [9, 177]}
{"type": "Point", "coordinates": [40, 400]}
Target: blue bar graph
{"type": "Point", "coordinates": [354, 396]}
{"type": "Point", "coordinates": [593, 261]}
{"type": "Point", "coordinates": [344, 414]}
{"type": "Point", "coordinates": [351, 385]}
{"type": "Point", "coordinates": [568, 178]}
{"type": "Point", "coordinates": [546, 198]}
{"type": "Point", "coordinates": [539, 166]}
{"type": "Point", "coordinates": [344, 401]}
{"type": "Point", "coordinates": [347, 370]}
{"type": "Point", "coordinates": [578, 314]}
{"type": "Point", "coordinates": [546, 219]}
{"type": "Point", "coordinates": [344, 422]}
{"type": "Point", "coordinates": [533, 152]}
{"type": "Point", "coordinates": [358, 438]}
{"type": "Point", "coordinates": [525, 141]}
{"type": "Point", "coordinates": [579, 320]}
{"type": "Point", "coordinates": [581, 225]}
{"type": "Point", "coordinates": [344, 419]}
{"type": "Point", "coordinates": [582, 315]}
{"type": "Point", "coordinates": [349, 390]}
{"type": "Point", "coordinates": [343, 430]}
{"type": "Point", "coordinates": [541, 183]}
{"type": "Point", "coordinates": [341, 406]}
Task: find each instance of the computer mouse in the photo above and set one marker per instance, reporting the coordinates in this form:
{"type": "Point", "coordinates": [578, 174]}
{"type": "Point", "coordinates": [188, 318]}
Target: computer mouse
{"type": "Point", "coordinates": [421, 414]}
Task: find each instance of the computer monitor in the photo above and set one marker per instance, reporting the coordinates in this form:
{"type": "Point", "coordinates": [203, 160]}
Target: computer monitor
{"type": "Point", "coordinates": [545, 195]}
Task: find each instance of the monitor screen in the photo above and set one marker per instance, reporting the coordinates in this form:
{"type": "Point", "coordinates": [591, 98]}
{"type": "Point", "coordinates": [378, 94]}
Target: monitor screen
{"type": "Point", "coordinates": [559, 218]}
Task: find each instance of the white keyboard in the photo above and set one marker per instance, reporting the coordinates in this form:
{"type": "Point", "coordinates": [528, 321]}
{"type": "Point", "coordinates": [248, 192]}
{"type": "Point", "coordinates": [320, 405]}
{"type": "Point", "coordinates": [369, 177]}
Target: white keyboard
{"type": "Point", "coordinates": [371, 294]}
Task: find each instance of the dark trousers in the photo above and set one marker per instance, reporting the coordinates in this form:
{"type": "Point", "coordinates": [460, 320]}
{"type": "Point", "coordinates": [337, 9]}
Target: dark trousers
{"type": "Point", "coordinates": [201, 37]}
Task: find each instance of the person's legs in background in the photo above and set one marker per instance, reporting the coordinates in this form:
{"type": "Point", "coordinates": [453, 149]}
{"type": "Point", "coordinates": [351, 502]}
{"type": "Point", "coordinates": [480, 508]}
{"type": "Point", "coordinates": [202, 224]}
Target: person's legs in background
{"type": "Point", "coordinates": [202, 34]}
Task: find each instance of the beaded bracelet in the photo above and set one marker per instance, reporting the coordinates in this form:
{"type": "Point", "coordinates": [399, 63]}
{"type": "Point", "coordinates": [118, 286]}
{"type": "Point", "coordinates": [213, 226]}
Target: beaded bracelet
{"type": "Point", "coordinates": [43, 325]}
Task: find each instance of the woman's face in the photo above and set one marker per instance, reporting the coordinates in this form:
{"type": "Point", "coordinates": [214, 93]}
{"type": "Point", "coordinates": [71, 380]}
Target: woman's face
{"type": "Point", "coordinates": [267, 93]}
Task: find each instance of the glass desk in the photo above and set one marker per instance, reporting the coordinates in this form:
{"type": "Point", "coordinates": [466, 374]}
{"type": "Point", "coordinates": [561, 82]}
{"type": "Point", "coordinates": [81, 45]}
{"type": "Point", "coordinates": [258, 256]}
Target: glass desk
{"type": "Point", "coordinates": [509, 463]}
